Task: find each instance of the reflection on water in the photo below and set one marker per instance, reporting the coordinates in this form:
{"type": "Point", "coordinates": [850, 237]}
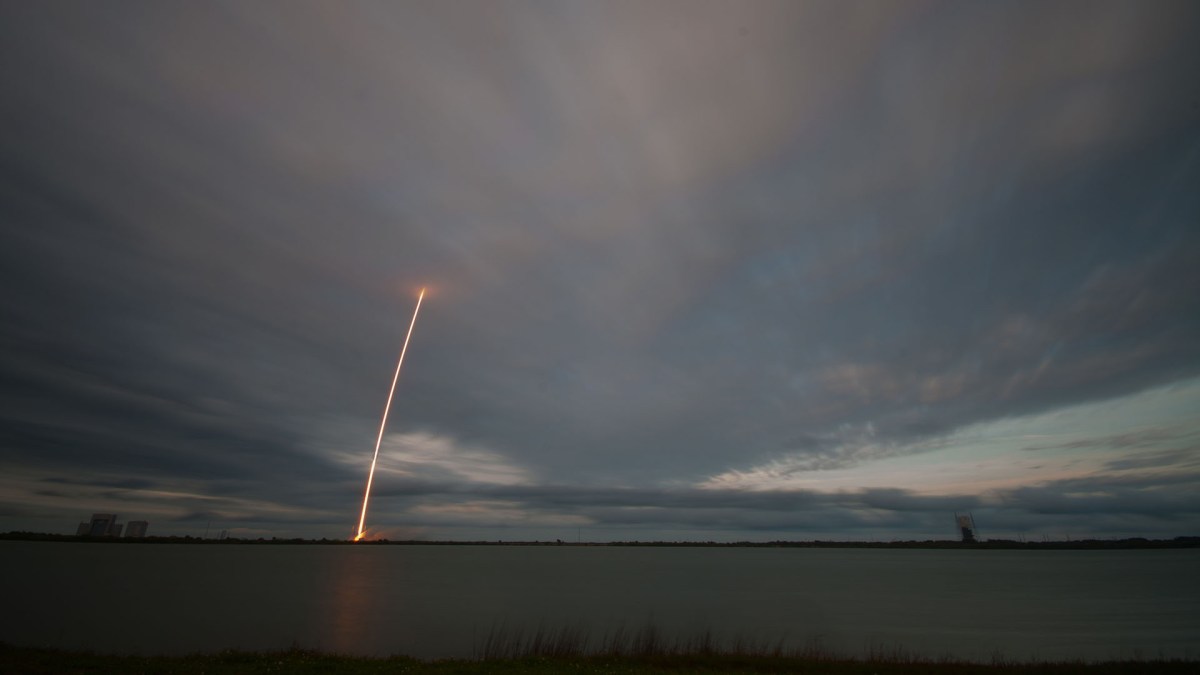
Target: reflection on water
{"type": "Point", "coordinates": [434, 601]}
{"type": "Point", "coordinates": [350, 600]}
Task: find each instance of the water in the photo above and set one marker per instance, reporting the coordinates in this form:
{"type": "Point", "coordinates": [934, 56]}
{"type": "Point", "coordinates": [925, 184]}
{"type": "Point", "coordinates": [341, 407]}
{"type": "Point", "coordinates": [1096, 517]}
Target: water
{"type": "Point", "coordinates": [442, 601]}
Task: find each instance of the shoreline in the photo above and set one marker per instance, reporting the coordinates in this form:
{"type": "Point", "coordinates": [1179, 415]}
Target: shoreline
{"type": "Point", "coordinates": [1133, 543]}
{"type": "Point", "coordinates": [38, 661]}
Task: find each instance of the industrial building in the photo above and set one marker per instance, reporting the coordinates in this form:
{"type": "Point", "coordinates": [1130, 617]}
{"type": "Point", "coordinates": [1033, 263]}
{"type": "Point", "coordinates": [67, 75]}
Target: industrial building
{"type": "Point", "coordinates": [106, 525]}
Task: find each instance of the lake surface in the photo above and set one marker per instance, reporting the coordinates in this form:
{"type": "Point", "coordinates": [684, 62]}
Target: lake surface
{"type": "Point", "coordinates": [442, 601]}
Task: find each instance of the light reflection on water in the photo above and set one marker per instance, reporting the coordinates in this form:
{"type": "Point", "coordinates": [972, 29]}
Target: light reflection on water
{"type": "Point", "coordinates": [438, 601]}
{"type": "Point", "coordinates": [350, 600]}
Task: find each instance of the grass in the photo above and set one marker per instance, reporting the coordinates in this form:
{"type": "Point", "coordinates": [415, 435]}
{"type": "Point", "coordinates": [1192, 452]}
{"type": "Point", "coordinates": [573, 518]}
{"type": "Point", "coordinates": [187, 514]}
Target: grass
{"type": "Point", "coordinates": [648, 641]}
{"type": "Point", "coordinates": [563, 650]}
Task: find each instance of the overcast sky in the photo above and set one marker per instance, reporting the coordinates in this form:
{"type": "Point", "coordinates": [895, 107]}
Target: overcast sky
{"type": "Point", "coordinates": [696, 270]}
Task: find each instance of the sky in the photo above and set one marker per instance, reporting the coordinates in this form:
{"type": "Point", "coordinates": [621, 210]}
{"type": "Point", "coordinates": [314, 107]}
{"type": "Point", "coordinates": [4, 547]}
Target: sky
{"type": "Point", "coordinates": [696, 270]}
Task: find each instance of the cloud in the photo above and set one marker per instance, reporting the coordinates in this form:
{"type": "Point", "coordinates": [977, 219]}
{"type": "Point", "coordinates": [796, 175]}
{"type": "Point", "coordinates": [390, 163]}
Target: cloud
{"type": "Point", "coordinates": [432, 457]}
{"type": "Point", "coordinates": [1131, 439]}
{"type": "Point", "coordinates": [1186, 459]}
{"type": "Point", "coordinates": [1084, 507]}
{"type": "Point", "coordinates": [1096, 496]}
{"type": "Point", "coordinates": [666, 243]}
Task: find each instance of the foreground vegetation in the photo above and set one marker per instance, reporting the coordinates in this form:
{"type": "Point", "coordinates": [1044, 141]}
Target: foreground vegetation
{"type": "Point", "coordinates": [34, 661]}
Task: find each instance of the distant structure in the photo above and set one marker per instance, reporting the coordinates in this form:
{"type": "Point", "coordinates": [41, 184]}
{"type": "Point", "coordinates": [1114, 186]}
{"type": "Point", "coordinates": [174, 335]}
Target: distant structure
{"type": "Point", "coordinates": [106, 525]}
{"type": "Point", "coordinates": [966, 525]}
{"type": "Point", "coordinates": [103, 525]}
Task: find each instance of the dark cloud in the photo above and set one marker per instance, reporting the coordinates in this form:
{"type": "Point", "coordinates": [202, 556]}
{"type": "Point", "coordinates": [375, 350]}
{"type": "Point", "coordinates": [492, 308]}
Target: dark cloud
{"type": "Point", "coordinates": [127, 483]}
{"type": "Point", "coordinates": [664, 241]}
{"type": "Point", "coordinates": [1090, 496]}
{"type": "Point", "coordinates": [1132, 439]}
{"type": "Point", "coordinates": [1186, 458]}
{"type": "Point", "coordinates": [1085, 507]}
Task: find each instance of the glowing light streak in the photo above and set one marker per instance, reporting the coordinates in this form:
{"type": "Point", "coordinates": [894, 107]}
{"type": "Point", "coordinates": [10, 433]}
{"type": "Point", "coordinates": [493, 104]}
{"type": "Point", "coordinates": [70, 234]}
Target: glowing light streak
{"type": "Point", "coordinates": [382, 425]}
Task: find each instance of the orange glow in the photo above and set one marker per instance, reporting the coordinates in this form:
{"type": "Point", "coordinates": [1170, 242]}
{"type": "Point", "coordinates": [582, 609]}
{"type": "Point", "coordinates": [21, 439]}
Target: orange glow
{"type": "Point", "coordinates": [387, 408]}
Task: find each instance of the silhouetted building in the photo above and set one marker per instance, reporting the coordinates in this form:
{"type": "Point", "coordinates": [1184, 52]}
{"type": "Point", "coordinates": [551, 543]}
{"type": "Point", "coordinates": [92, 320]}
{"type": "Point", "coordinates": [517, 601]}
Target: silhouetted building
{"type": "Point", "coordinates": [102, 525]}
{"type": "Point", "coordinates": [136, 528]}
{"type": "Point", "coordinates": [966, 525]}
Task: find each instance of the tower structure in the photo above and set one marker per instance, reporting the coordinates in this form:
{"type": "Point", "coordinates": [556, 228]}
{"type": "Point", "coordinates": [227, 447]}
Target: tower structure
{"type": "Point", "coordinates": [966, 526]}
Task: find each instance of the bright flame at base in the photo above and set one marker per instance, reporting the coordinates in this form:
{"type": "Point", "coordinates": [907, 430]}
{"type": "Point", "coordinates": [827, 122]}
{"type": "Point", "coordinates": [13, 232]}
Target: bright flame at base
{"type": "Point", "coordinates": [382, 425]}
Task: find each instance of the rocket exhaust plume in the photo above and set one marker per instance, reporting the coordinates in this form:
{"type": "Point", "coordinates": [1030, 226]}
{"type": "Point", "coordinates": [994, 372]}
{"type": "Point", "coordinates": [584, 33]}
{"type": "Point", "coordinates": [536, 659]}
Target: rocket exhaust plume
{"type": "Point", "coordinates": [382, 425]}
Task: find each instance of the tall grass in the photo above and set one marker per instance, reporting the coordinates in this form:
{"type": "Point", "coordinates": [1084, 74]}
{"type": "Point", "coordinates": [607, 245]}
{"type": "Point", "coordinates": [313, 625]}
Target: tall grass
{"type": "Point", "coordinates": [505, 643]}
{"type": "Point", "coordinates": [649, 649]}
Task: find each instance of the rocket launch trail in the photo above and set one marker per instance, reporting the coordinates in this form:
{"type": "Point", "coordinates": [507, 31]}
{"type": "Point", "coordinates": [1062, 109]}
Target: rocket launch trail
{"type": "Point", "coordinates": [383, 425]}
